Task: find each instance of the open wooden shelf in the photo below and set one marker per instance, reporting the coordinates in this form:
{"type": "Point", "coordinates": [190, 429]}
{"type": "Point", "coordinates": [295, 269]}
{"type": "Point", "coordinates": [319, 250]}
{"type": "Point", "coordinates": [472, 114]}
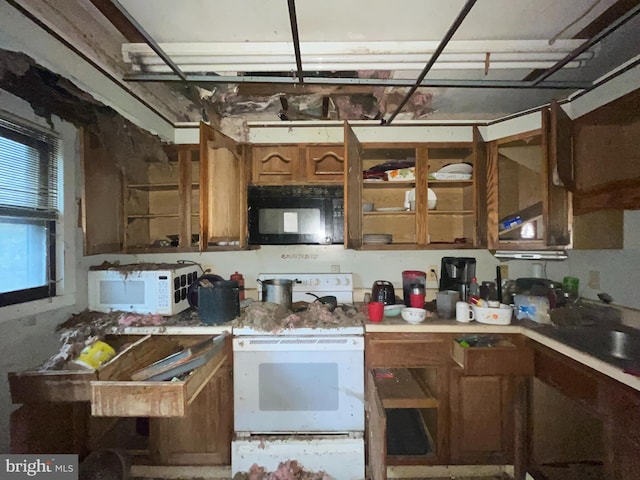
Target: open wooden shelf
{"type": "Point", "coordinates": [520, 225]}
{"type": "Point", "coordinates": [383, 184]}
{"type": "Point", "coordinates": [399, 213]}
{"type": "Point", "coordinates": [148, 187]}
{"type": "Point", "coordinates": [449, 183]}
{"type": "Point", "coordinates": [401, 389]}
{"type": "Point", "coordinates": [451, 212]}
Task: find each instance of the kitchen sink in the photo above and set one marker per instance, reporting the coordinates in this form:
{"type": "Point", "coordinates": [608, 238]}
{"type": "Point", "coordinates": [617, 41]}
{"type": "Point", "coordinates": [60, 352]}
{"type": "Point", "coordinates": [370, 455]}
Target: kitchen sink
{"type": "Point", "coordinates": [618, 345]}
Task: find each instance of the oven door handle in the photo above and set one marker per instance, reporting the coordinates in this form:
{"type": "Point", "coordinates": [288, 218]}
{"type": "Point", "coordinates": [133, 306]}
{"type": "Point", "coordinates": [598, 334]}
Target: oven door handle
{"type": "Point", "coordinates": [298, 344]}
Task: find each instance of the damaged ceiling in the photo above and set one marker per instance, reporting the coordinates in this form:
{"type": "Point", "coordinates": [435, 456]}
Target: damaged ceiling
{"type": "Point", "coordinates": [270, 60]}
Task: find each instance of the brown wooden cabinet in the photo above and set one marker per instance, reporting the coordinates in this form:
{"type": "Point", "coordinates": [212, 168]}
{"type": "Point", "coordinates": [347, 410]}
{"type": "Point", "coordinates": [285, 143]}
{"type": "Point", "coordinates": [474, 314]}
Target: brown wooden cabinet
{"type": "Point", "coordinates": [224, 176]}
{"type": "Point", "coordinates": [407, 400]}
{"type": "Point", "coordinates": [160, 204]}
{"type": "Point", "coordinates": [297, 164]}
{"type": "Point", "coordinates": [485, 417]}
{"type": "Point", "coordinates": [584, 424]}
{"type": "Point", "coordinates": [467, 405]}
{"type": "Point", "coordinates": [190, 421]}
{"type": "Point", "coordinates": [182, 198]}
{"type": "Point", "coordinates": [102, 191]}
{"type": "Point", "coordinates": [527, 206]}
{"type": "Point", "coordinates": [446, 209]}
{"type": "Point", "coordinates": [606, 146]}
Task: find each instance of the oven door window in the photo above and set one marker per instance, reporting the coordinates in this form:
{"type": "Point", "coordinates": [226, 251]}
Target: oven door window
{"type": "Point", "coordinates": [298, 386]}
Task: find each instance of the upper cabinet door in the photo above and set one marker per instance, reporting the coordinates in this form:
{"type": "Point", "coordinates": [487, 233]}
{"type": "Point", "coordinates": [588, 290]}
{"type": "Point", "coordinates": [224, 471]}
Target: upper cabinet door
{"type": "Point", "coordinates": [516, 191]}
{"type": "Point", "coordinates": [480, 156]}
{"type": "Point", "coordinates": [352, 189]}
{"type": "Point", "coordinates": [527, 206]}
{"type": "Point", "coordinates": [102, 197]}
{"type": "Point", "coordinates": [275, 164]}
{"type": "Point", "coordinates": [325, 163]}
{"type": "Point", "coordinates": [560, 177]}
{"type": "Point", "coordinates": [223, 187]}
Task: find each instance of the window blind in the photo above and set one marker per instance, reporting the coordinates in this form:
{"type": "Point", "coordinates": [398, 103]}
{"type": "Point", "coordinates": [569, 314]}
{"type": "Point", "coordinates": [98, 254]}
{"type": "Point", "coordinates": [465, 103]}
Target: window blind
{"type": "Point", "coordinates": [28, 171]}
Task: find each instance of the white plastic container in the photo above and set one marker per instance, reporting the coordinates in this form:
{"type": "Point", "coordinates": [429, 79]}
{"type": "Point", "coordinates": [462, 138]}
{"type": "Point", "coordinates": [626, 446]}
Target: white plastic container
{"type": "Point", "coordinates": [493, 316]}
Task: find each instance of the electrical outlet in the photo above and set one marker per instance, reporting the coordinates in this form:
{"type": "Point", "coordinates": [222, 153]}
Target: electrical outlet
{"type": "Point", "coordinates": [594, 279]}
{"type": "Point", "coordinates": [504, 271]}
{"type": "Point", "coordinates": [335, 268]}
{"type": "Point", "coordinates": [432, 273]}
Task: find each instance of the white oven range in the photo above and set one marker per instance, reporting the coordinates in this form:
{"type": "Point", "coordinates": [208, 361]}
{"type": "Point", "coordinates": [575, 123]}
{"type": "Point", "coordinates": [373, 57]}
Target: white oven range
{"type": "Point", "coordinates": [299, 395]}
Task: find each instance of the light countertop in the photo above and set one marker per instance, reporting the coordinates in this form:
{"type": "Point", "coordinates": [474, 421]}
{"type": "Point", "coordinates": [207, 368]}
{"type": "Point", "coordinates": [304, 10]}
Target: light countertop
{"type": "Point", "coordinates": [432, 325]}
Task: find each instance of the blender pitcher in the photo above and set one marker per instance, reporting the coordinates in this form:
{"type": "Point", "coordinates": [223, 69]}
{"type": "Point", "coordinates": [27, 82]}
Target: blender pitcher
{"type": "Point", "coordinates": [409, 278]}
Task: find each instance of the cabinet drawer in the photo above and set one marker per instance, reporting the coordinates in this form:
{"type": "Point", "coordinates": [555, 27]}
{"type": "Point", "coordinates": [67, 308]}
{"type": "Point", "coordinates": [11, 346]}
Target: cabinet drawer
{"type": "Point", "coordinates": [400, 350]}
{"type": "Point", "coordinates": [115, 394]}
{"type": "Point", "coordinates": [39, 386]}
{"type": "Point", "coordinates": [507, 357]}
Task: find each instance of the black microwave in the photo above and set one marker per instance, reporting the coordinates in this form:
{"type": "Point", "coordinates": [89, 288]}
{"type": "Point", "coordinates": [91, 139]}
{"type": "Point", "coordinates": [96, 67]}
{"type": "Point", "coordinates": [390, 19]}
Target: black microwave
{"type": "Point", "coordinates": [296, 214]}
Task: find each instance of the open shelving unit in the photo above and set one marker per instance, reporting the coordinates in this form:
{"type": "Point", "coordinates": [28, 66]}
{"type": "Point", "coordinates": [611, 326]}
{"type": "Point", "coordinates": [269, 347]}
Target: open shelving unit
{"type": "Point", "coordinates": [162, 201]}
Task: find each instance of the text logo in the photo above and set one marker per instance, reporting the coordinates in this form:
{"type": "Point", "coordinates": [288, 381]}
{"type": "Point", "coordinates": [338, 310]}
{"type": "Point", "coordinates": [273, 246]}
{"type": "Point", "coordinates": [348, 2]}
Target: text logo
{"type": "Point", "coordinates": [49, 467]}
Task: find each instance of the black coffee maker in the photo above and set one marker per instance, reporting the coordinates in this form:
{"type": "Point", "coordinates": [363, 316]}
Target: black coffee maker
{"type": "Point", "coordinates": [456, 274]}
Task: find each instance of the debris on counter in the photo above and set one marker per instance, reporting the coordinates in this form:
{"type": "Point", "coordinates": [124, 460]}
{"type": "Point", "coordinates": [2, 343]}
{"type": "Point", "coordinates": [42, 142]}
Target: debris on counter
{"type": "Point", "coordinates": [134, 319]}
{"type": "Point", "coordinates": [73, 343]}
{"type": "Point", "coordinates": [273, 317]}
{"type": "Point", "coordinates": [289, 470]}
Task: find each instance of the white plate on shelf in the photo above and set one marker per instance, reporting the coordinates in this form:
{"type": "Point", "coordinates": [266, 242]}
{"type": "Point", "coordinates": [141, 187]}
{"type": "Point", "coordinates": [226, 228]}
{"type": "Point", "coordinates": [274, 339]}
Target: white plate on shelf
{"type": "Point", "coordinates": [390, 209]}
{"type": "Point", "coordinates": [457, 168]}
{"type": "Point", "coordinates": [450, 176]}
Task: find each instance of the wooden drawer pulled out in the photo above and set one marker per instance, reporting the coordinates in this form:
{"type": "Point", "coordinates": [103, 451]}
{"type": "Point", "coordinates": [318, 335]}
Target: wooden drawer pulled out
{"type": "Point", "coordinates": [43, 386]}
{"type": "Point", "coordinates": [115, 394]}
{"type": "Point", "coordinates": [506, 357]}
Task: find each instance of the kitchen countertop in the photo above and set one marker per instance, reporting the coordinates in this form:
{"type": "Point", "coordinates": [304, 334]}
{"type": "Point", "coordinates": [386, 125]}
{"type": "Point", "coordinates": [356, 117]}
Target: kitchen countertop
{"type": "Point", "coordinates": [430, 325]}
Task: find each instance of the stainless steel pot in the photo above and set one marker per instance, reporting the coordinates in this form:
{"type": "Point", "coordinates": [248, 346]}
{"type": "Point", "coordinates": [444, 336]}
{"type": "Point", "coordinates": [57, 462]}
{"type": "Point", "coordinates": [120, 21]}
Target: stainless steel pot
{"type": "Point", "coordinates": [277, 290]}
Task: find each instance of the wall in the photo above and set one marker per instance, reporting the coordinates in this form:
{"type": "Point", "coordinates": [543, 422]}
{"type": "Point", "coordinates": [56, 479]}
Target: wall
{"type": "Point", "coordinates": [619, 273]}
{"type": "Point", "coordinates": [27, 335]}
{"type": "Point", "coordinates": [366, 266]}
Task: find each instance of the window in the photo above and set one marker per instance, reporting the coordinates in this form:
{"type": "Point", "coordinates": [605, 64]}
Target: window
{"type": "Point", "coordinates": [28, 212]}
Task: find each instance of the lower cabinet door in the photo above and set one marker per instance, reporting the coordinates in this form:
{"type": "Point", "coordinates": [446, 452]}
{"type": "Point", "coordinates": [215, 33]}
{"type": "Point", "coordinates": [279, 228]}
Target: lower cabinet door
{"type": "Point", "coordinates": [481, 418]}
{"type": "Point", "coordinates": [376, 431]}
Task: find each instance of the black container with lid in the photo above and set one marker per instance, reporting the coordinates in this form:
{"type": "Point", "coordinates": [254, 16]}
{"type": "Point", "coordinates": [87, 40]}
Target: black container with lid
{"type": "Point", "coordinates": [218, 302]}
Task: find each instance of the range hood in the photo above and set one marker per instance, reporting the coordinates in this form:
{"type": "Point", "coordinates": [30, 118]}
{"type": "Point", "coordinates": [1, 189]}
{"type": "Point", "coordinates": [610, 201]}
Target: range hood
{"type": "Point", "coordinates": [531, 254]}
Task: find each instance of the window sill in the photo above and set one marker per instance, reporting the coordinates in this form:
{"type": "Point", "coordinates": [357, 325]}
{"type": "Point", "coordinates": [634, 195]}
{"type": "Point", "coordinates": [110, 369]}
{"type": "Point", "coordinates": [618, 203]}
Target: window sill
{"type": "Point", "coordinates": [12, 312]}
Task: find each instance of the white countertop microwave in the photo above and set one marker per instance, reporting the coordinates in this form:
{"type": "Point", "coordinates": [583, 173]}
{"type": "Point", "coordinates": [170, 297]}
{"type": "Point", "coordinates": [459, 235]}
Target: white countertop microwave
{"type": "Point", "coordinates": [145, 288]}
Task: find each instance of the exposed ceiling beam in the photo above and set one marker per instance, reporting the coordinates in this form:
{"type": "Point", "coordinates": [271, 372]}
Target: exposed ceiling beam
{"type": "Point", "coordinates": [443, 43]}
{"type": "Point", "coordinates": [589, 43]}
{"type": "Point", "coordinates": [296, 39]}
{"type": "Point", "coordinates": [373, 82]}
{"type": "Point", "coordinates": [609, 16]}
{"type": "Point", "coordinates": [149, 40]}
{"type": "Point", "coordinates": [118, 20]}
